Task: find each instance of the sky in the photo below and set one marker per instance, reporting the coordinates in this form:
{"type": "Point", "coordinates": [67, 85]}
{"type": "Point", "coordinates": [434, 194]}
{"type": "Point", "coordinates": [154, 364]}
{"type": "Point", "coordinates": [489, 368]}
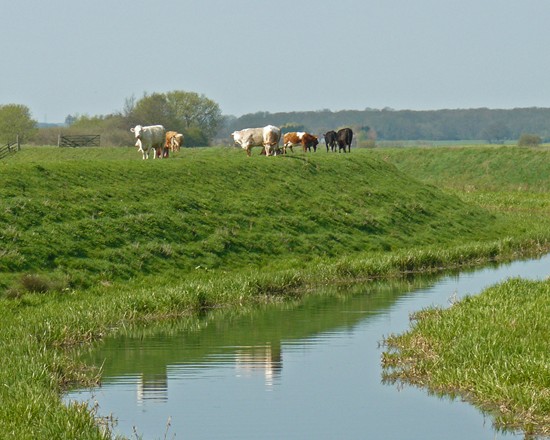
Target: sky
{"type": "Point", "coordinates": [88, 57]}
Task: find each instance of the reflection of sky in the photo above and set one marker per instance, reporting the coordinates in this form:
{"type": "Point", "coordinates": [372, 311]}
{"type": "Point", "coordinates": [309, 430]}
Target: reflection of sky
{"type": "Point", "coordinates": [324, 387]}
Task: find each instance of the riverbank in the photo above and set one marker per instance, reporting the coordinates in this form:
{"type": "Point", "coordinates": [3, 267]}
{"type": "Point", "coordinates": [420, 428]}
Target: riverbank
{"type": "Point", "coordinates": [491, 349]}
{"type": "Point", "coordinates": [98, 240]}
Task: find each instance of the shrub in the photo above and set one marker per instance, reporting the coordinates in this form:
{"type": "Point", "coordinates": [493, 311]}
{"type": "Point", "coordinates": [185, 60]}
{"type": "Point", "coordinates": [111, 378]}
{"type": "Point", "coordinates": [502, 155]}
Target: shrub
{"type": "Point", "coordinates": [41, 284]}
{"type": "Point", "coordinates": [529, 140]}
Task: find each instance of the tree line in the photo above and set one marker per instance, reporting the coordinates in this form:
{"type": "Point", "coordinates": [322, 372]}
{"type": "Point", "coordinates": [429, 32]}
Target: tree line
{"type": "Point", "coordinates": [202, 123]}
{"type": "Point", "coordinates": [490, 125]}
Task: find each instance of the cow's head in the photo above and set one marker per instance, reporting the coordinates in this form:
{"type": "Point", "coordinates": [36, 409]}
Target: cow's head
{"type": "Point", "coordinates": [137, 130]}
{"type": "Point", "coordinates": [238, 137]}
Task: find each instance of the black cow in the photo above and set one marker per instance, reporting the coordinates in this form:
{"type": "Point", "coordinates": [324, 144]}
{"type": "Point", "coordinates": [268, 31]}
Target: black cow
{"type": "Point", "coordinates": [330, 140]}
{"type": "Point", "coordinates": [344, 138]}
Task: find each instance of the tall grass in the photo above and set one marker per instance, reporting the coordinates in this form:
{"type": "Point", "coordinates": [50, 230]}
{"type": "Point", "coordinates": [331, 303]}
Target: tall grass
{"type": "Point", "coordinates": [97, 239]}
{"type": "Point", "coordinates": [492, 349]}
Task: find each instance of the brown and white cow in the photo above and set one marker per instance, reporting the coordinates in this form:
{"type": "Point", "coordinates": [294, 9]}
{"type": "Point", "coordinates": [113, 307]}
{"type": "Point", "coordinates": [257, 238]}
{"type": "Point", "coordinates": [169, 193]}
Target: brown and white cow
{"type": "Point", "coordinates": [268, 137]}
{"type": "Point", "coordinates": [294, 138]}
{"type": "Point", "coordinates": [174, 141]}
{"type": "Point", "coordinates": [147, 138]}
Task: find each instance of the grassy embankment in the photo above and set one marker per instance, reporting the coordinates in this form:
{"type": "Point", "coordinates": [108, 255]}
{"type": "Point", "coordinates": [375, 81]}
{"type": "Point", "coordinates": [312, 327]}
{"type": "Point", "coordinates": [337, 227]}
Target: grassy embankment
{"type": "Point", "coordinates": [492, 349]}
{"type": "Point", "coordinates": [96, 239]}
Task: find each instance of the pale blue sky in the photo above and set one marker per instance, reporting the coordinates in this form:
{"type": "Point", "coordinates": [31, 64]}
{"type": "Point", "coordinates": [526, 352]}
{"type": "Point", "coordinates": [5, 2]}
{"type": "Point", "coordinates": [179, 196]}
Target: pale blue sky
{"type": "Point", "coordinates": [62, 57]}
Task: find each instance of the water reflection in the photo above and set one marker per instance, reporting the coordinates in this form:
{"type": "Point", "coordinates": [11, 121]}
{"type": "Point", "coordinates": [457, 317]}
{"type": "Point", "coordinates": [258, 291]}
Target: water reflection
{"type": "Point", "coordinates": [265, 359]}
{"type": "Point", "coordinates": [229, 369]}
{"type": "Point", "coordinates": [152, 387]}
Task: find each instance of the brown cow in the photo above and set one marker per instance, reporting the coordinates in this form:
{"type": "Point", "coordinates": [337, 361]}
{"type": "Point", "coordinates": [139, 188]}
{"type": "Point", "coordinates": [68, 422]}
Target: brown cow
{"type": "Point", "coordinates": [306, 140]}
{"type": "Point", "coordinates": [174, 141]}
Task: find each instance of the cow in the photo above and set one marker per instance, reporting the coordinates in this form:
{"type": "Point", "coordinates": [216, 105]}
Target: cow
{"type": "Point", "coordinates": [267, 136]}
{"type": "Point", "coordinates": [331, 140]}
{"type": "Point", "coordinates": [344, 138]}
{"type": "Point", "coordinates": [306, 140]}
{"type": "Point", "coordinates": [272, 136]}
{"type": "Point", "coordinates": [174, 141]}
{"type": "Point", "coordinates": [149, 137]}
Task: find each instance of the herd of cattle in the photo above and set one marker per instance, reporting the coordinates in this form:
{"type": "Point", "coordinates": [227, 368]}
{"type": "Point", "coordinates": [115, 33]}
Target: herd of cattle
{"type": "Point", "coordinates": [156, 138]}
{"type": "Point", "coordinates": [269, 137]}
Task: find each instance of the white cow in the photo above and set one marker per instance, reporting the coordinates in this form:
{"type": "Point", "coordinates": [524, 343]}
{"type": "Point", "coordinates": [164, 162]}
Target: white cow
{"type": "Point", "coordinates": [149, 137]}
{"type": "Point", "coordinates": [267, 136]}
{"type": "Point", "coordinates": [272, 136]}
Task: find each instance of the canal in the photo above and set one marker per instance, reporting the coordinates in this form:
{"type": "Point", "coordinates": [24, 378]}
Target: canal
{"type": "Point", "coordinates": [308, 369]}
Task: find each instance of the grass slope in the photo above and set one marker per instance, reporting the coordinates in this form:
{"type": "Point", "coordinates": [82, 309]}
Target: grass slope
{"type": "Point", "coordinates": [99, 215]}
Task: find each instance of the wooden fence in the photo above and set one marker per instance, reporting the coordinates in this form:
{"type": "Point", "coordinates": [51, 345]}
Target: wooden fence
{"type": "Point", "coordinates": [10, 148]}
{"type": "Point", "coordinates": [79, 140]}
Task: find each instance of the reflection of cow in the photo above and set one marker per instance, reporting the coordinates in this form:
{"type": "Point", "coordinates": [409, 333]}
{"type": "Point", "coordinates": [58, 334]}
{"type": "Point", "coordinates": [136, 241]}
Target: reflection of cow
{"type": "Point", "coordinates": [174, 141]}
{"type": "Point", "coordinates": [147, 138]}
{"type": "Point", "coordinates": [344, 138]}
{"type": "Point", "coordinates": [267, 136]}
{"type": "Point", "coordinates": [331, 140]}
{"type": "Point", "coordinates": [306, 140]}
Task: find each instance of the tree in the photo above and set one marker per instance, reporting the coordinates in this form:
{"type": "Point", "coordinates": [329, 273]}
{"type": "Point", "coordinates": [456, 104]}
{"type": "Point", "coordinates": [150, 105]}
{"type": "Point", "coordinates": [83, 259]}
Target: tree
{"type": "Point", "coordinates": [195, 116]}
{"type": "Point", "coordinates": [189, 110]}
{"type": "Point", "coordinates": [15, 120]}
{"type": "Point", "coordinates": [150, 110]}
{"type": "Point", "coordinates": [496, 132]}
{"type": "Point", "coordinates": [529, 140]}
{"type": "Point", "coordinates": [70, 120]}
{"type": "Point", "coordinates": [292, 126]}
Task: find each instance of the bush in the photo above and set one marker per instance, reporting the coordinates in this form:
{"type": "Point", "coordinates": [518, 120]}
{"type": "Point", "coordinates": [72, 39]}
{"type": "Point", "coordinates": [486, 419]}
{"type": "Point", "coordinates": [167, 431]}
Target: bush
{"type": "Point", "coordinates": [529, 140]}
{"type": "Point", "coordinates": [36, 283]}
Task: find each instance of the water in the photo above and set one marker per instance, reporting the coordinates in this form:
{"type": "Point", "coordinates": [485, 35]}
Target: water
{"type": "Point", "coordinates": [302, 371]}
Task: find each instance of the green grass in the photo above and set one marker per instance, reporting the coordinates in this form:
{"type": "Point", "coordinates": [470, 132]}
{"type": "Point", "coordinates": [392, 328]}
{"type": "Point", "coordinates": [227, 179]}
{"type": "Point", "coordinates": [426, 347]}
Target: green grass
{"type": "Point", "coordinates": [491, 349]}
{"type": "Point", "coordinates": [100, 219]}
{"type": "Point", "coordinates": [97, 239]}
